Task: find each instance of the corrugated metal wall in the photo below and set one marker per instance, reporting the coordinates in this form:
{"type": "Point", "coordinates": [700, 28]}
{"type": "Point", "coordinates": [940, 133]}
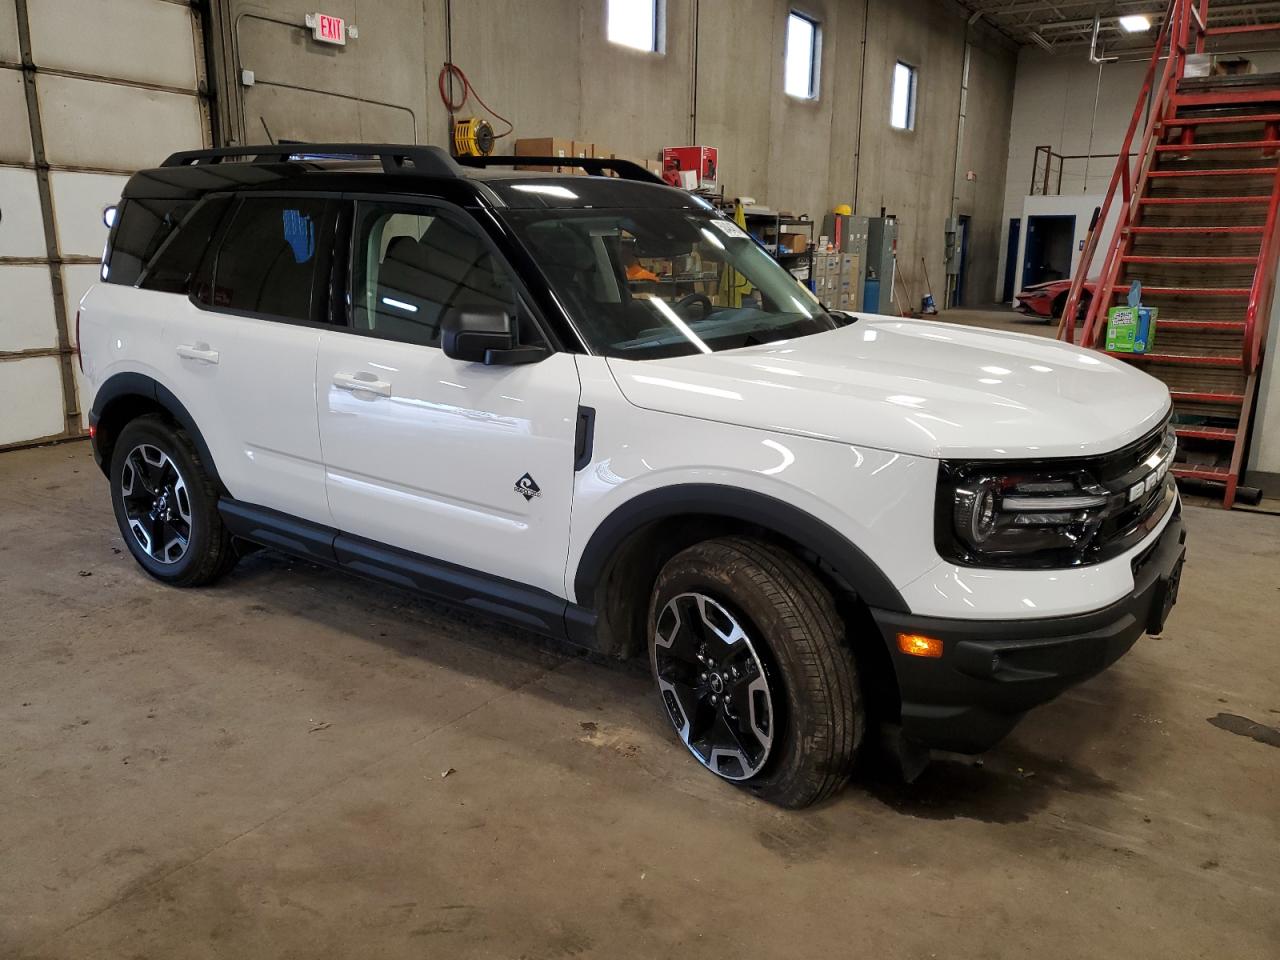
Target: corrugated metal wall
{"type": "Point", "coordinates": [90, 90]}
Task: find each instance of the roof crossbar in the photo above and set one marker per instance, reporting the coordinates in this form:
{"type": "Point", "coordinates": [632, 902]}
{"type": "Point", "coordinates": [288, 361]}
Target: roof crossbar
{"type": "Point", "coordinates": [596, 166]}
{"type": "Point", "coordinates": [395, 157]}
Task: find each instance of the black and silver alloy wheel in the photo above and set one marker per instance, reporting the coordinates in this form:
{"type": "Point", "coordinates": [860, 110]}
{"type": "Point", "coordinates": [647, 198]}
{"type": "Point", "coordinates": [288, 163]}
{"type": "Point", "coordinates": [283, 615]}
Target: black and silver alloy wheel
{"type": "Point", "coordinates": [752, 664]}
{"type": "Point", "coordinates": [157, 503]}
{"type": "Point", "coordinates": [714, 685]}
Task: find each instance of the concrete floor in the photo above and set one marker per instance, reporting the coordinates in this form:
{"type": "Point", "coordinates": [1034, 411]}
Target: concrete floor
{"type": "Point", "coordinates": [258, 769]}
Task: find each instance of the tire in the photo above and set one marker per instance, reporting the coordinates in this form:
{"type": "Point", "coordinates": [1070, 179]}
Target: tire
{"type": "Point", "coordinates": [162, 493]}
{"type": "Point", "coordinates": [760, 617]}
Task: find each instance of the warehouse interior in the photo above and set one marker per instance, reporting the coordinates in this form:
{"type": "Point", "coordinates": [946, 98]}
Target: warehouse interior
{"type": "Point", "coordinates": [298, 762]}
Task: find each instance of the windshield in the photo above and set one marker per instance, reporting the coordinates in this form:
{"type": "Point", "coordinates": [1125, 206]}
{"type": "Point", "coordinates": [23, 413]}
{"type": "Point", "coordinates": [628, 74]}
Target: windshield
{"type": "Point", "coordinates": [653, 283]}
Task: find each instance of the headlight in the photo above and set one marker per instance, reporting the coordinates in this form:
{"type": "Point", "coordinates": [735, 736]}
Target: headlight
{"type": "Point", "coordinates": [1052, 513]}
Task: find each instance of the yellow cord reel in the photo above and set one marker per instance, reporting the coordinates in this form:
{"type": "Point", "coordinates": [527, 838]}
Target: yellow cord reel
{"type": "Point", "coordinates": [472, 137]}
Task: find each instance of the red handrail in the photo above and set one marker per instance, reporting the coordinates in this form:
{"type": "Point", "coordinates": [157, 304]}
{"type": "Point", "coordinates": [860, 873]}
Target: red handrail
{"type": "Point", "coordinates": [1119, 178]}
{"type": "Point", "coordinates": [1258, 314]}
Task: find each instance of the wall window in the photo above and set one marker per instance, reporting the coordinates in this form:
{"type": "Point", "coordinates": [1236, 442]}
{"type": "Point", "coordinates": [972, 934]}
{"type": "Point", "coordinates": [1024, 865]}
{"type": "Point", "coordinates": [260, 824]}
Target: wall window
{"type": "Point", "coordinates": [902, 105]}
{"type": "Point", "coordinates": [636, 24]}
{"type": "Point", "coordinates": [802, 57]}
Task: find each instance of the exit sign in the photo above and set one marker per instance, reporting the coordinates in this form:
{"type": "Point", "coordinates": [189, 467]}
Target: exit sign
{"type": "Point", "coordinates": [328, 29]}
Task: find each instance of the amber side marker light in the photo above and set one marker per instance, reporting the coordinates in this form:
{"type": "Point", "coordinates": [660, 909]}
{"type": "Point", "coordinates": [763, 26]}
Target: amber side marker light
{"type": "Point", "coordinates": [917, 645]}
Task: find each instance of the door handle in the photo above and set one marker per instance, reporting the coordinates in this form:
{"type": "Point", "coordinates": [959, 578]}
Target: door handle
{"type": "Point", "coordinates": [365, 382]}
{"type": "Point", "coordinates": [198, 351]}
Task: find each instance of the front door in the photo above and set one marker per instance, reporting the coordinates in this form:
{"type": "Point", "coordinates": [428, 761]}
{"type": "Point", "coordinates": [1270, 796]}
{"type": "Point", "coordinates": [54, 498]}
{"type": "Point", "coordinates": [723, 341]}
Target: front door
{"type": "Point", "coordinates": [460, 462]}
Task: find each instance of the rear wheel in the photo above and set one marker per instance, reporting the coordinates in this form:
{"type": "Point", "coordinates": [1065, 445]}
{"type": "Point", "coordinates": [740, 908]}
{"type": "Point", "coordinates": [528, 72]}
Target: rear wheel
{"type": "Point", "coordinates": [751, 664]}
{"type": "Point", "coordinates": [166, 505]}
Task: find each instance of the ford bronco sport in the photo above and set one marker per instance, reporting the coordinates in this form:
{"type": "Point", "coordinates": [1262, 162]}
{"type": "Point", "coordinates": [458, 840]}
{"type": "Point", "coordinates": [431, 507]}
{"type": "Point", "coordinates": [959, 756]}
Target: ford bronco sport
{"type": "Point", "coordinates": [594, 407]}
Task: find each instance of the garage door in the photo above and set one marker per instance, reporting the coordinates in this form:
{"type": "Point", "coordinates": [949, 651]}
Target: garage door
{"type": "Point", "coordinates": [90, 90]}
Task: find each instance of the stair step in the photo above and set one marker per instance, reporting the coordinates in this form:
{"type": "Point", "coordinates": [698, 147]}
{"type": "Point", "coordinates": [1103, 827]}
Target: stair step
{"type": "Point", "coordinates": [1220, 98]}
{"type": "Point", "coordinates": [1187, 291]}
{"type": "Point", "coordinates": [1188, 261]}
{"type": "Point", "coordinates": [1189, 396]}
{"type": "Point", "coordinates": [1227, 434]}
{"type": "Point", "coordinates": [1181, 359]}
{"type": "Point", "coordinates": [1215, 172]}
{"type": "Point", "coordinates": [1201, 471]}
{"type": "Point", "coordinates": [1178, 122]}
{"type": "Point", "coordinates": [1224, 326]}
{"type": "Point", "coordinates": [1264, 198]}
{"type": "Point", "coordinates": [1217, 145]}
{"type": "Point", "coordinates": [1194, 231]}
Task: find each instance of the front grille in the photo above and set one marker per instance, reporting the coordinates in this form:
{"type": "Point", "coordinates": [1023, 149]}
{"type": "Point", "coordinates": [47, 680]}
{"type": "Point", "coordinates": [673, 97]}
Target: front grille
{"type": "Point", "coordinates": [1131, 519]}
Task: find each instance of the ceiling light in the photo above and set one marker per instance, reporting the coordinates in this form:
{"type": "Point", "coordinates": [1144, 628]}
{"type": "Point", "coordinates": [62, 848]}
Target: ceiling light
{"type": "Point", "coordinates": [1135, 23]}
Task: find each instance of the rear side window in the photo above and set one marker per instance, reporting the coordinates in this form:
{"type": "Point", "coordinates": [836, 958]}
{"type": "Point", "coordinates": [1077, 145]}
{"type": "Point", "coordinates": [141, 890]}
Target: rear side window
{"type": "Point", "coordinates": [144, 225]}
{"type": "Point", "coordinates": [175, 262]}
{"type": "Point", "coordinates": [273, 259]}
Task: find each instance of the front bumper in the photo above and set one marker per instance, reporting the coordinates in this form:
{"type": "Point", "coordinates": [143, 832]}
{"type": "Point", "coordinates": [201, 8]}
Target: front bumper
{"type": "Point", "coordinates": [991, 672]}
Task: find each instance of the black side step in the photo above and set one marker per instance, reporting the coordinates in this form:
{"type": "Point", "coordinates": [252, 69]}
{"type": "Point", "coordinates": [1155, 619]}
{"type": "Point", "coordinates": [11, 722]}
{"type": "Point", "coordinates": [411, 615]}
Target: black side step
{"type": "Point", "coordinates": [516, 603]}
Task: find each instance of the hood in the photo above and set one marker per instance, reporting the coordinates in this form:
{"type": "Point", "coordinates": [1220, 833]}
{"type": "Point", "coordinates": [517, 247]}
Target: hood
{"type": "Point", "coordinates": [911, 386]}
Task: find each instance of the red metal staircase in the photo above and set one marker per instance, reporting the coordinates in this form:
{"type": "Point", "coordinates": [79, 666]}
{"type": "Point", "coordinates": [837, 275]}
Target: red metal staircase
{"type": "Point", "coordinates": [1197, 226]}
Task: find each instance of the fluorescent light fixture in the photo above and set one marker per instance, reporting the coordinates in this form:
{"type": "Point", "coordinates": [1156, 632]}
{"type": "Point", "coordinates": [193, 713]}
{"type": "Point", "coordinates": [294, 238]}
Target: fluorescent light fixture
{"type": "Point", "coordinates": [1135, 23]}
{"type": "Point", "coordinates": [400, 305]}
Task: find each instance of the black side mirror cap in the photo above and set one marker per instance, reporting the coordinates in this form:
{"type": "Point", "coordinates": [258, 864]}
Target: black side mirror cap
{"type": "Point", "coordinates": [484, 335]}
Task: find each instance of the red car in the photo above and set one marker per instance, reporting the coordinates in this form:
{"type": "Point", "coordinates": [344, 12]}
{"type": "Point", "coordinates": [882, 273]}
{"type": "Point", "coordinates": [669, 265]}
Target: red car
{"type": "Point", "coordinates": [1047, 300]}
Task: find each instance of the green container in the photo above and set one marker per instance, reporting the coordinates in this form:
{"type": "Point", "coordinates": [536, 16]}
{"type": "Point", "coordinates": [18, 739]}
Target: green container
{"type": "Point", "coordinates": [1131, 329]}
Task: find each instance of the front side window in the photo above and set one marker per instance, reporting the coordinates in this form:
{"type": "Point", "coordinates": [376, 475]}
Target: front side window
{"type": "Point", "coordinates": [273, 259]}
{"type": "Point", "coordinates": [649, 283]}
{"type": "Point", "coordinates": [413, 264]}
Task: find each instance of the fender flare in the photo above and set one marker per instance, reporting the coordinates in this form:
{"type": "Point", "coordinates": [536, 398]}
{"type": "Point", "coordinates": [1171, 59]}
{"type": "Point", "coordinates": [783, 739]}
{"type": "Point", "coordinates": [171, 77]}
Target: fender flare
{"type": "Point", "coordinates": [140, 385]}
{"type": "Point", "coordinates": [708, 499]}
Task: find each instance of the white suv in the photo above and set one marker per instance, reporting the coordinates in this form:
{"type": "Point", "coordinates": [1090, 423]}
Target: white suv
{"type": "Point", "coordinates": [596, 408]}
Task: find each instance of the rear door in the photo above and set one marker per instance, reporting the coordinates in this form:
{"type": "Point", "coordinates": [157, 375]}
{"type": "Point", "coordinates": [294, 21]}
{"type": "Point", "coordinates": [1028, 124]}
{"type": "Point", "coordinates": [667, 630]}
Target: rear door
{"type": "Point", "coordinates": [460, 462]}
{"type": "Point", "coordinates": [242, 349]}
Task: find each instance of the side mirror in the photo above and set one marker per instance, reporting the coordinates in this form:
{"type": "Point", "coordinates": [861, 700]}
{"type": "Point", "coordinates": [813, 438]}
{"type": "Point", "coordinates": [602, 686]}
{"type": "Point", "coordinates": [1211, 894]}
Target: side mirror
{"type": "Point", "coordinates": [484, 335]}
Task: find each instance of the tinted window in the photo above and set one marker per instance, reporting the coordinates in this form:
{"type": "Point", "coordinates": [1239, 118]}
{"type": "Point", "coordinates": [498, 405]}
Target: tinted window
{"type": "Point", "coordinates": [413, 264]}
{"type": "Point", "coordinates": [174, 263]}
{"type": "Point", "coordinates": [142, 227]}
{"type": "Point", "coordinates": [273, 258]}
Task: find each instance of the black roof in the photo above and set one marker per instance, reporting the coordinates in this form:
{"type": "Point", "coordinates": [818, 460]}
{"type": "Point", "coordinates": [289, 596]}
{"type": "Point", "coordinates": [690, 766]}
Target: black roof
{"type": "Point", "coordinates": [407, 170]}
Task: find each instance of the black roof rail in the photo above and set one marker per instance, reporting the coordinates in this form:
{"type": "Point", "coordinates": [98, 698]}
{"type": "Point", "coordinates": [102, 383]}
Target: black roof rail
{"type": "Point", "coordinates": [596, 166]}
{"type": "Point", "coordinates": [395, 157]}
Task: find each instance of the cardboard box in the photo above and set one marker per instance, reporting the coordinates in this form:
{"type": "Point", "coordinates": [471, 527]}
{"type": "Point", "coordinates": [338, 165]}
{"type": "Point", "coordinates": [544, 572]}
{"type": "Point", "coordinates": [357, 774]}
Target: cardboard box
{"type": "Point", "coordinates": [703, 162]}
{"type": "Point", "coordinates": [1131, 329]}
{"type": "Point", "coordinates": [794, 242]}
{"type": "Point", "coordinates": [544, 147]}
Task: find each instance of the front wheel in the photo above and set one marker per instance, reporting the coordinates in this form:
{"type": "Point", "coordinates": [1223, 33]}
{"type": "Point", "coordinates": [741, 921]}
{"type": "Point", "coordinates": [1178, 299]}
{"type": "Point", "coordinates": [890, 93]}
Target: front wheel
{"type": "Point", "coordinates": [751, 663]}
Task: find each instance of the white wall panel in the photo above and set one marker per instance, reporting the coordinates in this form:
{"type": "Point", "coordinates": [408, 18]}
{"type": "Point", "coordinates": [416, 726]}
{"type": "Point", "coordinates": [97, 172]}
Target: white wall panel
{"type": "Point", "coordinates": [78, 202]}
{"type": "Point", "coordinates": [8, 32]}
{"type": "Point", "coordinates": [92, 124]}
{"type": "Point", "coordinates": [26, 309]}
{"type": "Point", "coordinates": [140, 40]}
{"type": "Point", "coordinates": [21, 227]}
{"type": "Point", "coordinates": [15, 131]}
{"type": "Point", "coordinates": [31, 398]}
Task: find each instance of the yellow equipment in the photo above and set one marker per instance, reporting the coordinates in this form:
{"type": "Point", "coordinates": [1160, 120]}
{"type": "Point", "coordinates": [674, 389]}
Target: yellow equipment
{"type": "Point", "coordinates": [472, 137]}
